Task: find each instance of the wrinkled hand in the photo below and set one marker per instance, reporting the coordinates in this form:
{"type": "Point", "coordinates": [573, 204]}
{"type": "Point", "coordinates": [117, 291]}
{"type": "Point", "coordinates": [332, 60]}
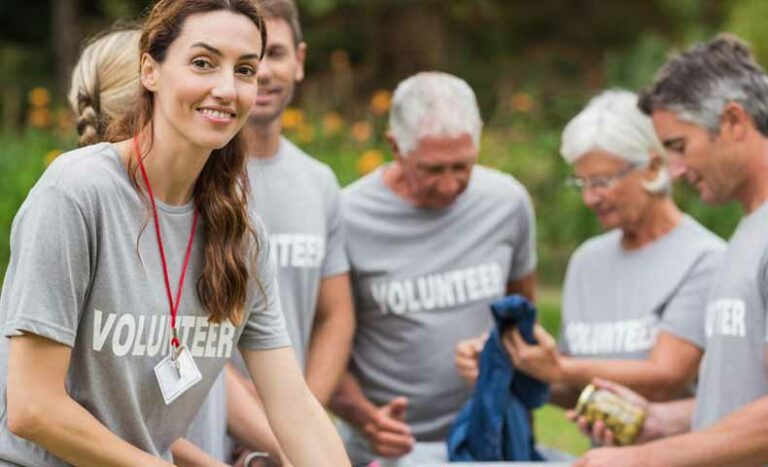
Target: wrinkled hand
{"type": "Point", "coordinates": [633, 456]}
{"type": "Point", "coordinates": [387, 432]}
{"type": "Point", "coordinates": [542, 361]}
{"type": "Point", "coordinates": [466, 356]}
{"type": "Point", "coordinates": [602, 435]}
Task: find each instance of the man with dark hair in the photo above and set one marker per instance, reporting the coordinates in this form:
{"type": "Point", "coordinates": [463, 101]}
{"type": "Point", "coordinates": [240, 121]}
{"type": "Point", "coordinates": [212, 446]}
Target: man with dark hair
{"type": "Point", "coordinates": [298, 198]}
{"type": "Point", "coordinates": [709, 107]}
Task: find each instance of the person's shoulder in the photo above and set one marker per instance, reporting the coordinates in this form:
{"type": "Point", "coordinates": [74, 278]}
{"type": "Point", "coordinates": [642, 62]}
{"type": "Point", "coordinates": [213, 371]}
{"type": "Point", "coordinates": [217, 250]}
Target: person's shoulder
{"type": "Point", "coordinates": [83, 172]}
{"type": "Point", "coordinates": [597, 245]}
{"type": "Point", "coordinates": [701, 238]}
{"type": "Point", "coordinates": [490, 183]}
{"type": "Point", "coordinates": [363, 186]}
{"type": "Point", "coordinates": [299, 157]}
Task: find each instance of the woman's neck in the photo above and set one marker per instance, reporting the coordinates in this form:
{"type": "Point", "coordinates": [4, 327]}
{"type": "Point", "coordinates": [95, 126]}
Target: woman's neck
{"type": "Point", "coordinates": [661, 216]}
{"type": "Point", "coordinates": [172, 163]}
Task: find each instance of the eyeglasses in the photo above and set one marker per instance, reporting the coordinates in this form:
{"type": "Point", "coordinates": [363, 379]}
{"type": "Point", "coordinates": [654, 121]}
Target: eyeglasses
{"type": "Point", "coordinates": [602, 182]}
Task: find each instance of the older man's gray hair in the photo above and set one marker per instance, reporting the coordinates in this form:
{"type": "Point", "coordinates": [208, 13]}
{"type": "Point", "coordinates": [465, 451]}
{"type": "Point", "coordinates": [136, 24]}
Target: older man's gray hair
{"type": "Point", "coordinates": [433, 104]}
{"type": "Point", "coordinates": [697, 84]}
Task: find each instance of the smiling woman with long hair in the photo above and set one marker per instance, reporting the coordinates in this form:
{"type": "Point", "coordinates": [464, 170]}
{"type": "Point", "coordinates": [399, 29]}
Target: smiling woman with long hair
{"type": "Point", "coordinates": [137, 267]}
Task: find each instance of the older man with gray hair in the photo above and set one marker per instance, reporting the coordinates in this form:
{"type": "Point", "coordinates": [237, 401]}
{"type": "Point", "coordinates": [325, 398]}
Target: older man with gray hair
{"type": "Point", "coordinates": [432, 240]}
{"type": "Point", "coordinates": [709, 107]}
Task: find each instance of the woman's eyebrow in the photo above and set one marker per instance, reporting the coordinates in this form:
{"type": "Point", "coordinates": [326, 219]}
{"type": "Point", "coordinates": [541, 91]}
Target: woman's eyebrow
{"type": "Point", "coordinates": [219, 53]}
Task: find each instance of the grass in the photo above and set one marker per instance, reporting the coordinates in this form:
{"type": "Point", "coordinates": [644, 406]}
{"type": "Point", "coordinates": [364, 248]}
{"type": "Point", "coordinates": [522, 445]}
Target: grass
{"type": "Point", "coordinates": [552, 428]}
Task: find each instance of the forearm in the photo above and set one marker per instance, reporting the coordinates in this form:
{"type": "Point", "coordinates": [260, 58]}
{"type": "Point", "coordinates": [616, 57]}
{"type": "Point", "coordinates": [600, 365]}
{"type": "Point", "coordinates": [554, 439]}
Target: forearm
{"type": "Point", "coordinates": [648, 378]}
{"type": "Point", "coordinates": [186, 454]}
{"type": "Point", "coordinates": [303, 429]}
{"type": "Point", "coordinates": [331, 338]}
{"type": "Point", "coordinates": [64, 428]}
{"type": "Point", "coordinates": [349, 402]}
{"type": "Point", "coordinates": [40, 410]}
{"type": "Point", "coordinates": [739, 439]}
{"type": "Point", "coordinates": [246, 421]}
{"type": "Point", "coordinates": [563, 395]}
{"type": "Point", "coordinates": [328, 353]}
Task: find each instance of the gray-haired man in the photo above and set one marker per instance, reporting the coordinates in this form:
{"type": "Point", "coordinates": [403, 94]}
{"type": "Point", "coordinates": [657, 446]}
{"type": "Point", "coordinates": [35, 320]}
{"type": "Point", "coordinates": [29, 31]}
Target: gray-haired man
{"type": "Point", "coordinates": [432, 239]}
{"type": "Point", "coordinates": [709, 106]}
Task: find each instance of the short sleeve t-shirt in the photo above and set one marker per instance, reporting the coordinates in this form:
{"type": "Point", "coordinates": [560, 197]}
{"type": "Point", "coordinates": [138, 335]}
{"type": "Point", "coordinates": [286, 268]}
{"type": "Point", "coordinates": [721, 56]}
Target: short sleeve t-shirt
{"type": "Point", "coordinates": [85, 272]}
{"type": "Point", "coordinates": [734, 371]}
{"type": "Point", "coordinates": [298, 198]}
{"type": "Point", "coordinates": [616, 300]}
{"type": "Point", "coordinates": [423, 280]}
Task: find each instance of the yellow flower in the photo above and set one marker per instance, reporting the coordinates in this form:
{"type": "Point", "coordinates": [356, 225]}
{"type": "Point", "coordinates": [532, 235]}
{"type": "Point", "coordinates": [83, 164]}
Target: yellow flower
{"type": "Point", "coordinates": [51, 155]}
{"type": "Point", "coordinates": [305, 133]}
{"type": "Point", "coordinates": [332, 123]}
{"type": "Point", "coordinates": [39, 117]}
{"type": "Point", "coordinates": [522, 102]}
{"type": "Point", "coordinates": [369, 160]}
{"type": "Point", "coordinates": [39, 97]}
{"type": "Point", "coordinates": [292, 118]}
{"type": "Point", "coordinates": [361, 132]}
{"type": "Point", "coordinates": [381, 101]}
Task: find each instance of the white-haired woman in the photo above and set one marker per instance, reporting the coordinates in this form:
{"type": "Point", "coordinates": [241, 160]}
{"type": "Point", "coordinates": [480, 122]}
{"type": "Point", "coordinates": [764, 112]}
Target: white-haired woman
{"type": "Point", "coordinates": [634, 297]}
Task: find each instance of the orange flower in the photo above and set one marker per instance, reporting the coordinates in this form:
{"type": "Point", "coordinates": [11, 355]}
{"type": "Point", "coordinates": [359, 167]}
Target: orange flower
{"type": "Point", "coordinates": [292, 118]}
{"type": "Point", "coordinates": [381, 101]}
{"type": "Point", "coordinates": [39, 117]}
{"type": "Point", "coordinates": [332, 123]}
{"type": "Point", "coordinates": [305, 133]}
{"type": "Point", "coordinates": [39, 97]}
{"type": "Point", "coordinates": [522, 102]}
{"type": "Point", "coordinates": [361, 132]}
{"type": "Point", "coordinates": [51, 155]}
{"type": "Point", "coordinates": [369, 160]}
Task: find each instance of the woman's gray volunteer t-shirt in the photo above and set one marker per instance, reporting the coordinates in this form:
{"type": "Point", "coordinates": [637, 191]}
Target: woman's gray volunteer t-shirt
{"type": "Point", "coordinates": [616, 300]}
{"type": "Point", "coordinates": [75, 277]}
{"type": "Point", "coordinates": [734, 371]}
{"type": "Point", "coordinates": [423, 280]}
{"type": "Point", "coordinates": [298, 198]}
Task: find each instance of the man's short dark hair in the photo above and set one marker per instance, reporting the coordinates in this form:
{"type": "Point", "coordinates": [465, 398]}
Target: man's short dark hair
{"type": "Point", "coordinates": [698, 83]}
{"type": "Point", "coordinates": [285, 10]}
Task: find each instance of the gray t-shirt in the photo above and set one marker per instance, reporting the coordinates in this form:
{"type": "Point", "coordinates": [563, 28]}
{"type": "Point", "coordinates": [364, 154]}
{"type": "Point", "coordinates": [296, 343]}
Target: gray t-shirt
{"type": "Point", "coordinates": [616, 300]}
{"type": "Point", "coordinates": [298, 198]}
{"type": "Point", "coordinates": [734, 371]}
{"type": "Point", "coordinates": [423, 279]}
{"type": "Point", "coordinates": [75, 277]}
{"type": "Point", "coordinates": [208, 430]}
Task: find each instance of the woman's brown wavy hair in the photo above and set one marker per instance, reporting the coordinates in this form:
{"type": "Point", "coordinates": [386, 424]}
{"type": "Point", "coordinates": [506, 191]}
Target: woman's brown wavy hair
{"type": "Point", "coordinates": [221, 189]}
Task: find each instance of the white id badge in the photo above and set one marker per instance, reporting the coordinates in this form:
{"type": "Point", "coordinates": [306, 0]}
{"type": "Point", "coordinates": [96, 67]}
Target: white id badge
{"type": "Point", "coordinates": [176, 376]}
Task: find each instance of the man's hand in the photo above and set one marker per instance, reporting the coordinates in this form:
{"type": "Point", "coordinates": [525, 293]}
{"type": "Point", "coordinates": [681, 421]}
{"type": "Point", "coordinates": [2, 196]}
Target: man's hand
{"type": "Point", "coordinates": [466, 357]}
{"type": "Point", "coordinates": [387, 432]}
{"type": "Point", "coordinates": [633, 456]}
{"type": "Point", "coordinates": [541, 361]}
{"type": "Point", "coordinates": [602, 435]}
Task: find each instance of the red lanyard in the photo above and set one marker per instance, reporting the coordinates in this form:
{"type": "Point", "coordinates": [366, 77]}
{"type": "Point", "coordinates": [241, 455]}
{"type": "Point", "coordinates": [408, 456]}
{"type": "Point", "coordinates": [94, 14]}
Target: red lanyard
{"type": "Point", "coordinates": [174, 306]}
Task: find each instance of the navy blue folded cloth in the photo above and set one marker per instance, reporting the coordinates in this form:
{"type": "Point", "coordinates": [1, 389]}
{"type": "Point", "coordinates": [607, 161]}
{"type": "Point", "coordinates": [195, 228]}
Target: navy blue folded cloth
{"type": "Point", "coordinates": [495, 424]}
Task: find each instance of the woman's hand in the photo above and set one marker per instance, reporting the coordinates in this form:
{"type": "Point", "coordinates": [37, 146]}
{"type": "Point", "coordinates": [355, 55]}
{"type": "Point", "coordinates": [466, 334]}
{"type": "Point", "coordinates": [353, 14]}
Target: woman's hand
{"type": "Point", "coordinates": [542, 361]}
{"type": "Point", "coordinates": [602, 435]}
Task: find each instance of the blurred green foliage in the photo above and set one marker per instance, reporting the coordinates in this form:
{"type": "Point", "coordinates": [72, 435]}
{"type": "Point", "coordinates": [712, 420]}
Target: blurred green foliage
{"type": "Point", "coordinates": [533, 64]}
